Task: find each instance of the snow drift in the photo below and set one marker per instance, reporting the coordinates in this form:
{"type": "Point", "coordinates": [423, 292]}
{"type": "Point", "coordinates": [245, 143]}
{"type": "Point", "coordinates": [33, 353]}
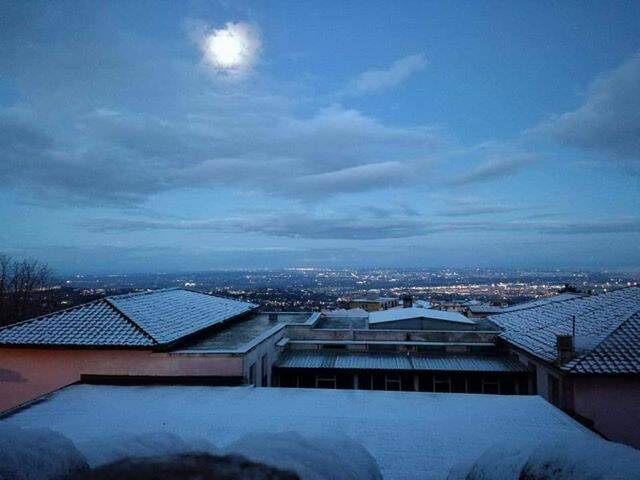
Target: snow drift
{"type": "Point", "coordinates": [151, 444]}
{"type": "Point", "coordinates": [37, 454]}
{"type": "Point", "coordinates": [568, 458]}
{"type": "Point", "coordinates": [312, 458]}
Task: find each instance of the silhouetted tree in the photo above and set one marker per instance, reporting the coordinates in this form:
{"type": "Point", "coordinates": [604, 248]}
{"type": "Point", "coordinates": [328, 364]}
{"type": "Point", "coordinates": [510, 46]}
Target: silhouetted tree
{"type": "Point", "coordinates": [21, 281]}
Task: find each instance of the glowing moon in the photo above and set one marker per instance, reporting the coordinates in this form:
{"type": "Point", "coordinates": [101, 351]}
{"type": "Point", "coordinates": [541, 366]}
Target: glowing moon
{"type": "Point", "coordinates": [233, 47]}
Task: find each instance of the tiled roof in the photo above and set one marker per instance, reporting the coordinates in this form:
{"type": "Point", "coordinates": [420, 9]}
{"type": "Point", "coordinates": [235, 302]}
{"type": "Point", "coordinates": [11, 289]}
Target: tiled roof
{"type": "Point", "coordinates": [168, 315]}
{"type": "Point", "coordinates": [397, 361]}
{"type": "Point", "coordinates": [134, 320]}
{"type": "Point", "coordinates": [95, 323]}
{"type": "Point", "coordinates": [607, 331]}
{"type": "Point", "coordinates": [493, 309]}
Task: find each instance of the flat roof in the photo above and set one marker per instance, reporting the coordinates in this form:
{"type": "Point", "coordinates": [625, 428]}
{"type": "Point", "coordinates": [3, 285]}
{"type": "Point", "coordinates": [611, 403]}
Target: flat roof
{"type": "Point", "coordinates": [323, 359]}
{"type": "Point", "coordinates": [411, 435]}
{"type": "Point", "coordinates": [242, 334]}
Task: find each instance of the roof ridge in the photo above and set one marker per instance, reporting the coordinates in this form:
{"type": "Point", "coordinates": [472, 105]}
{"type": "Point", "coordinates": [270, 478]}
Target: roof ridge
{"type": "Point", "coordinates": [144, 292]}
{"type": "Point", "coordinates": [130, 321]}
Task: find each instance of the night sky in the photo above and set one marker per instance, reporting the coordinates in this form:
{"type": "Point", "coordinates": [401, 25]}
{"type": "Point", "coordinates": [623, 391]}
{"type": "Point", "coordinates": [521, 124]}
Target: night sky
{"type": "Point", "coordinates": [155, 136]}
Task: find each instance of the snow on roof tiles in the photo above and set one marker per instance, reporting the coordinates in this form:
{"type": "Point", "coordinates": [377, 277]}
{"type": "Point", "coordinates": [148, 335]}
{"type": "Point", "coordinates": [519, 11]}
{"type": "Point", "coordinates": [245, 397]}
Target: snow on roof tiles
{"type": "Point", "coordinates": [133, 320]}
{"type": "Point", "coordinates": [397, 361]}
{"type": "Point", "coordinates": [493, 309]}
{"type": "Point", "coordinates": [607, 328]}
{"type": "Point", "coordinates": [96, 323]}
{"type": "Point", "coordinates": [169, 315]}
{"type": "Point", "coordinates": [397, 314]}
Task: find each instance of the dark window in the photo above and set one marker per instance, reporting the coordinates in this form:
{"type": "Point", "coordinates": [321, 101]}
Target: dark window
{"type": "Point", "coordinates": [458, 385]}
{"type": "Point", "coordinates": [383, 348]}
{"type": "Point", "coordinates": [425, 383]}
{"type": "Point", "coordinates": [490, 386]}
{"type": "Point", "coordinates": [365, 382]}
{"type": "Point", "coordinates": [306, 380]}
{"type": "Point", "coordinates": [333, 346]}
{"type": "Point", "coordinates": [554, 390]}
{"type": "Point", "coordinates": [264, 367]}
{"type": "Point", "coordinates": [474, 385]}
{"type": "Point", "coordinates": [392, 382]}
{"type": "Point", "coordinates": [378, 382]}
{"type": "Point", "coordinates": [441, 384]}
{"type": "Point", "coordinates": [534, 378]}
{"type": "Point", "coordinates": [344, 381]}
{"type": "Point", "coordinates": [432, 348]}
{"type": "Point", "coordinates": [326, 381]}
{"type": "Point", "coordinates": [252, 374]}
{"type": "Point", "coordinates": [508, 386]}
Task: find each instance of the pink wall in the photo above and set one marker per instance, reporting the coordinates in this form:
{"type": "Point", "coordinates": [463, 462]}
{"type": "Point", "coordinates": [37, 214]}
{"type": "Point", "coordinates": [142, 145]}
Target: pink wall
{"type": "Point", "coordinates": [27, 373]}
{"type": "Point", "coordinates": [613, 403]}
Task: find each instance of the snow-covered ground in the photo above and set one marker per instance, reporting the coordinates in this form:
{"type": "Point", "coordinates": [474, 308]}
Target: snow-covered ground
{"type": "Point", "coordinates": [411, 435]}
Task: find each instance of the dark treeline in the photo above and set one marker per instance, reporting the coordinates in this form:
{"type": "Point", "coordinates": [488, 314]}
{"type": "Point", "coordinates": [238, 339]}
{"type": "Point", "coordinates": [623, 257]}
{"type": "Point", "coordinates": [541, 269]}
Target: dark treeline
{"type": "Point", "coordinates": [22, 286]}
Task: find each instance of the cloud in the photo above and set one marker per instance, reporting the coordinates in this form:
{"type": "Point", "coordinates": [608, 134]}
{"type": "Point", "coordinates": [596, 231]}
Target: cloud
{"type": "Point", "coordinates": [496, 161]}
{"type": "Point", "coordinates": [231, 50]}
{"type": "Point", "coordinates": [124, 157]}
{"type": "Point", "coordinates": [608, 120]}
{"type": "Point", "coordinates": [359, 225]}
{"type": "Point", "coordinates": [376, 81]}
{"type": "Point", "coordinates": [479, 209]}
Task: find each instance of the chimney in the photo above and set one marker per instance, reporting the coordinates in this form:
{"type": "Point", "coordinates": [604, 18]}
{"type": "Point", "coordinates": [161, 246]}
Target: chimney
{"type": "Point", "coordinates": [273, 317]}
{"type": "Point", "coordinates": [407, 301]}
{"type": "Point", "coordinates": [564, 348]}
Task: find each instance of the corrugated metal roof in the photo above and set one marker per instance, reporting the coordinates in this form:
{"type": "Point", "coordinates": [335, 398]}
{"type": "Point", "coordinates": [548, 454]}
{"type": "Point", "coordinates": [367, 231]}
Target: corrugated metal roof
{"type": "Point", "coordinates": [607, 328]}
{"type": "Point", "coordinates": [305, 359]}
{"type": "Point", "coordinates": [134, 320]}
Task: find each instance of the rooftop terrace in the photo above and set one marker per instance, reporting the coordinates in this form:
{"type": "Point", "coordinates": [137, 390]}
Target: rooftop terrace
{"type": "Point", "coordinates": [239, 336]}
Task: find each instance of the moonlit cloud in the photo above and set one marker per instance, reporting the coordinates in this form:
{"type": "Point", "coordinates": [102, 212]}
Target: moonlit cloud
{"type": "Point", "coordinates": [232, 49]}
{"type": "Point", "coordinates": [608, 120]}
{"type": "Point", "coordinates": [375, 81]}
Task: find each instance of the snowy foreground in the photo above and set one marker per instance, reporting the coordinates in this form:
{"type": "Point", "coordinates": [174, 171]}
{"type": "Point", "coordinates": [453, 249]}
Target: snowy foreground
{"type": "Point", "coordinates": [410, 435]}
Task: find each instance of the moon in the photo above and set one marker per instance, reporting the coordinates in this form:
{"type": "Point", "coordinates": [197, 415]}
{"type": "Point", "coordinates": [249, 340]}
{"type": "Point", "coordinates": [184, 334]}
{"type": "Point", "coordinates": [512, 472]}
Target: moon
{"type": "Point", "coordinates": [233, 47]}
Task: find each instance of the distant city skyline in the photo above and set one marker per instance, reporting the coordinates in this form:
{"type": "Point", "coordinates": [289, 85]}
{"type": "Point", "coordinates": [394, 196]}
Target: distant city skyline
{"type": "Point", "coordinates": [180, 136]}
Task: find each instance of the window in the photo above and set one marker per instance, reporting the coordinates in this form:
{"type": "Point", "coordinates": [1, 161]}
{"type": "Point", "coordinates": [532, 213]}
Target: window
{"type": "Point", "coordinates": [534, 377]}
{"type": "Point", "coordinates": [382, 348]}
{"type": "Point", "coordinates": [392, 382]}
{"type": "Point", "coordinates": [333, 346]}
{"type": "Point", "coordinates": [252, 374]}
{"type": "Point", "coordinates": [554, 389]}
{"type": "Point", "coordinates": [365, 382]}
{"type": "Point", "coordinates": [441, 384]}
{"type": "Point", "coordinates": [490, 386]}
{"type": "Point", "coordinates": [264, 369]}
{"type": "Point", "coordinates": [325, 381]}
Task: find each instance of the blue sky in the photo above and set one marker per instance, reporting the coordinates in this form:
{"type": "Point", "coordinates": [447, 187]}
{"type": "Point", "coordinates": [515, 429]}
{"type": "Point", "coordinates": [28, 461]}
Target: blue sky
{"type": "Point", "coordinates": [151, 136]}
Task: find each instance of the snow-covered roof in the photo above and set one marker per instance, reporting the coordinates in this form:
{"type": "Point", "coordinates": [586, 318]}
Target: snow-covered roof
{"type": "Point", "coordinates": [397, 361]}
{"type": "Point", "coordinates": [421, 303]}
{"type": "Point", "coordinates": [398, 314]}
{"type": "Point", "coordinates": [346, 313]}
{"type": "Point", "coordinates": [411, 435]}
{"type": "Point", "coordinates": [133, 320]}
{"type": "Point", "coordinates": [493, 309]}
{"type": "Point", "coordinates": [607, 327]}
